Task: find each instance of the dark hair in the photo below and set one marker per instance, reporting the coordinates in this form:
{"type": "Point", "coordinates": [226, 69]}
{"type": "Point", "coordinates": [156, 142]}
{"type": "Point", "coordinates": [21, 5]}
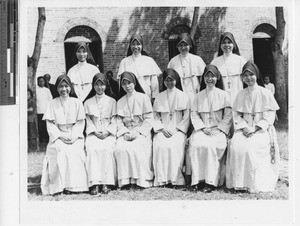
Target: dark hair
{"type": "Point", "coordinates": [252, 67]}
{"type": "Point", "coordinates": [90, 58]}
{"type": "Point", "coordinates": [139, 38]}
{"type": "Point", "coordinates": [58, 81]}
{"type": "Point", "coordinates": [41, 77]}
{"type": "Point", "coordinates": [109, 72]}
{"type": "Point", "coordinates": [231, 37]}
{"type": "Point", "coordinates": [170, 72]}
{"type": "Point", "coordinates": [130, 76]}
{"type": "Point", "coordinates": [215, 71]}
{"type": "Point", "coordinates": [30, 92]}
{"type": "Point", "coordinates": [108, 91]}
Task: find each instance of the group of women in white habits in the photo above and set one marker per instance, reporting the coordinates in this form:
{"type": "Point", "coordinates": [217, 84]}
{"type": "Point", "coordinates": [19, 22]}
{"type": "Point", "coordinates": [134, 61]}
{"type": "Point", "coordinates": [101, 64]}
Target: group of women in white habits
{"type": "Point", "coordinates": [132, 143]}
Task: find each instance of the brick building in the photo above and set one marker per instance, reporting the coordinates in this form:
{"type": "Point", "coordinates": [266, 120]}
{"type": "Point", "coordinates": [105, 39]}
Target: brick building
{"type": "Point", "coordinates": [108, 29]}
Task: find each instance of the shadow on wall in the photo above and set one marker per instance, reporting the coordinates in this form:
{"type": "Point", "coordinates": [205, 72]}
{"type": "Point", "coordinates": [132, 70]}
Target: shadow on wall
{"type": "Point", "coordinates": [209, 25]}
{"type": "Point", "coordinates": [148, 22]}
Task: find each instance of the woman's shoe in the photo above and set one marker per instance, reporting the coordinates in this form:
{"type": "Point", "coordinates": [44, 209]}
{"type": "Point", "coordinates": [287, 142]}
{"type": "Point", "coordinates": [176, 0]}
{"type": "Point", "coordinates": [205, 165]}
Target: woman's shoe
{"type": "Point", "coordinates": [94, 190]}
{"type": "Point", "coordinates": [105, 189]}
{"type": "Point", "coordinates": [200, 185]}
{"type": "Point", "coordinates": [208, 188]}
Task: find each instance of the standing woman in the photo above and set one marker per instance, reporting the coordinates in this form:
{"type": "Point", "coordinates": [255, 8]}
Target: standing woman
{"type": "Point", "coordinates": [211, 118]}
{"type": "Point", "coordinates": [172, 119]}
{"type": "Point", "coordinates": [142, 66]}
{"type": "Point", "coordinates": [253, 157]}
{"type": "Point", "coordinates": [230, 64]}
{"type": "Point", "coordinates": [134, 145]}
{"type": "Point", "coordinates": [189, 66]}
{"type": "Point", "coordinates": [64, 163]}
{"type": "Point", "coordinates": [101, 128]}
{"type": "Point", "coordinates": [81, 74]}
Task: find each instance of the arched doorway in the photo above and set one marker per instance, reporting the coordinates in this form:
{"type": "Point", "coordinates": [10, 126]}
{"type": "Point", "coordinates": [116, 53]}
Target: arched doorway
{"type": "Point", "coordinates": [263, 37]}
{"type": "Point", "coordinates": [87, 34]}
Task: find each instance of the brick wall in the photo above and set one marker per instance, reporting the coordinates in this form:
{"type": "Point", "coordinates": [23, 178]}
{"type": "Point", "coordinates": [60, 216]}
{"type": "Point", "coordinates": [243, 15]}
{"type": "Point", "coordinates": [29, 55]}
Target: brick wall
{"type": "Point", "coordinates": [115, 26]}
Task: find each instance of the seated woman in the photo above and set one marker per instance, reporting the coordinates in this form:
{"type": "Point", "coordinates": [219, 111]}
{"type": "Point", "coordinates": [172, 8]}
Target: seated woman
{"type": "Point", "coordinates": [101, 129]}
{"type": "Point", "coordinates": [211, 118]}
{"type": "Point", "coordinates": [172, 119]}
{"type": "Point", "coordinates": [133, 151]}
{"type": "Point", "coordinates": [64, 163]}
{"type": "Point", "coordinates": [253, 157]}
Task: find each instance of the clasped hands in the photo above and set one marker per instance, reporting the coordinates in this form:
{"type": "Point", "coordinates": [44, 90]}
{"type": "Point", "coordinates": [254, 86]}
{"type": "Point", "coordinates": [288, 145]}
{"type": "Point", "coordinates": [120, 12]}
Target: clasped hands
{"type": "Point", "coordinates": [249, 132]}
{"type": "Point", "coordinates": [211, 132]}
{"type": "Point", "coordinates": [168, 133]}
{"type": "Point", "coordinates": [67, 140]}
{"type": "Point", "coordinates": [101, 135]}
{"type": "Point", "coordinates": [132, 135]}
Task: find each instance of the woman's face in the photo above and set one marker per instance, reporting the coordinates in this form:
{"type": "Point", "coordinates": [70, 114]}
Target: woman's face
{"type": "Point", "coordinates": [210, 79]}
{"type": "Point", "coordinates": [136, 47]}
{"type": "Point", "coordinates": [41, 82]}
{"type": "Point", "coordinates": [64, 89]}
{"type": "Point", "coordinates": [227, 45]}
{"type": "Point", "coordinates": [127, 85]}
{"type": "Point", "coordinates": [183, 48]}
{"type": "Point", "coordinates": [249, 78]}
{"type": "Point", "coordinates": [99, 87]}
{"type": "Point", "coordinates": [170, 83]}
{"type": "Point", "coordinates": [81, 54]}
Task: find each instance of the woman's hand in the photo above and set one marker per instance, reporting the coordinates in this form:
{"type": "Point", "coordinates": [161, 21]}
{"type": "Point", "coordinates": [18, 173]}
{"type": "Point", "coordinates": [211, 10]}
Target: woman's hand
{"type": "Point", "coordinates": [72, 140]}
{"type": "Point", "coordinates": [104, 135]}
{"type": "Point", "coordinates": [167, 133]}
{"type": "Point", "coordinates": [247, 132]}
{"type": "Point", "coordinates": [65, 139]}
{"type": "Point", "coordinates": [215, 131]}
{"type": "Point", "coordinates": [207, 131]}
{"type": "Point", "coordinates": [130, 136]}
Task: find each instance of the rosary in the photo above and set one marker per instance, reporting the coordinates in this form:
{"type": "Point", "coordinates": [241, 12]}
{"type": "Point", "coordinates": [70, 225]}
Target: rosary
{"type": "Point", "coordinates": [210, 108]}
{"type": "Point", "coordinates": [227, 75]}
{"type": "Point", "coordinates": [100, 107]}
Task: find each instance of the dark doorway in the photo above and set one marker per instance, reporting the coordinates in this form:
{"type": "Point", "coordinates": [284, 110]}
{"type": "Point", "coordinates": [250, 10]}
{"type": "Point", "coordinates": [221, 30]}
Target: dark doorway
{"type": "Point", "coordinates": [83, 33]}
{"type": "Point", "coordinates": [263, 57]}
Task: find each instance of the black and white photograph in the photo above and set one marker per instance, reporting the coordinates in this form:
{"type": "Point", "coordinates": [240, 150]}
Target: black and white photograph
{"type": "Point", "coordinates": [149, 113]}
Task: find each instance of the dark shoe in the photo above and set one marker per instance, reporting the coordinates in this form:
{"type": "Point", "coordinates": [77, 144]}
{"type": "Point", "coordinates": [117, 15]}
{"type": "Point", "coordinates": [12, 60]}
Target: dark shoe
{"type": "Point", "coordinates": [201, 185]}
{"type": "Point", "coordinates": [66, 192]}
{"type": "Point", "coordinates": [169, 185]}
{"type": "Point", "coordinates": [126, 187]}
{"type": "Point", "coordinates": [208, 188]}
{"type": "Point", "coordinates": [105, 189]}
{"type": "Point", "coordinates": [94, 190]}
{"type": "Point", "coordinates": [194, 188]}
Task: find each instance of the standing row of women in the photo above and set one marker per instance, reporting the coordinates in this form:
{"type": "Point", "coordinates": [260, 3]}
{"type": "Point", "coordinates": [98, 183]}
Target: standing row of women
{"type": "Point", "coordinates": [118, 140]}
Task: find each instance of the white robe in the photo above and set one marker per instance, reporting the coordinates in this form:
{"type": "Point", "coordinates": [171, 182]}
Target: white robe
{"type": "Point", "coordinates": [190, 69]}
{"type": "Point", "coordinates": [81, 76]}
{"type": "Point", "coordinates": [249, 159]}
{"type": "Point", "coordinates": [100, 162]}
{"type": "Point", "coordinates": [207, 152]}
{"type": "Point", "coordinates": [230, 68]}
{"type": "Point", "coordinates": [134, 158]}
{"type": "Point", "coordinates": [168, 153]}
{"type": "Point", "coordinates": [146, 71]}
{"type": "Point", "coordinates": [64, 164]}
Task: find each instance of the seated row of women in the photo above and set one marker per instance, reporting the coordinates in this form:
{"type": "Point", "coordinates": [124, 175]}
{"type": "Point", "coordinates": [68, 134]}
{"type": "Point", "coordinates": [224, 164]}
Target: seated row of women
{"type": "Point", "coordinates": [118, 148]}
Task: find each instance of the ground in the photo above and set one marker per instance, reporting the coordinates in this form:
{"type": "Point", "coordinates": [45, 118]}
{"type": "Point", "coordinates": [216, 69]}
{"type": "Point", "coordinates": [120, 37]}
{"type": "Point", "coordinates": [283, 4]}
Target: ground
{"type": "Point", "coordinates": [35, 160]}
